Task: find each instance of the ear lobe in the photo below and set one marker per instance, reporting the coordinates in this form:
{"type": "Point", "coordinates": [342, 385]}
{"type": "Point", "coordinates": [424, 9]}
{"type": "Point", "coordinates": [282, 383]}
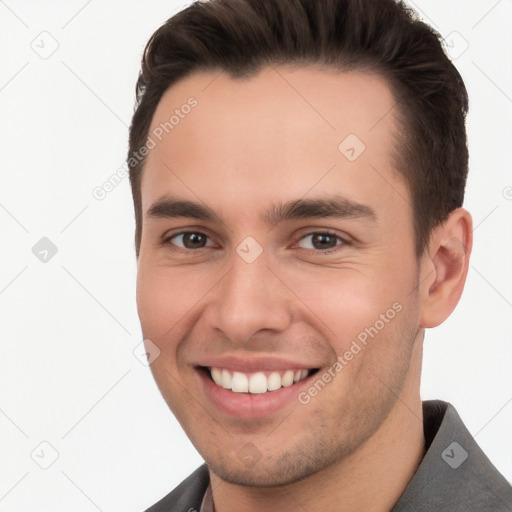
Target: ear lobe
{"type": "Point", "coordinates": [450, 249]}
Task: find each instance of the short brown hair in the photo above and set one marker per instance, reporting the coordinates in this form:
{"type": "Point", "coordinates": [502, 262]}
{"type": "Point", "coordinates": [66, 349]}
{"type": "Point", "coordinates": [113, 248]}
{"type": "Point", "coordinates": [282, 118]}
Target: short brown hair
{"type": "Point", "coordinates": [239, 37]}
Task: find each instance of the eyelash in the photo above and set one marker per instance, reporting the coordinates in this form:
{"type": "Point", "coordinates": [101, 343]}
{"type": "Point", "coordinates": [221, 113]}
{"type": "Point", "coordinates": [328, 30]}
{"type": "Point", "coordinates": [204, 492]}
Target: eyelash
{"type": "Point", "coordinates": [337, 247]}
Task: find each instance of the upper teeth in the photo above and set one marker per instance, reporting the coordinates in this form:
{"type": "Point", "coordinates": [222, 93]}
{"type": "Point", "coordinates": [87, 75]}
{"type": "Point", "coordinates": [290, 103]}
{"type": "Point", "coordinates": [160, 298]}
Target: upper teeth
{"type": "Point", "coordinates": [257, 382]}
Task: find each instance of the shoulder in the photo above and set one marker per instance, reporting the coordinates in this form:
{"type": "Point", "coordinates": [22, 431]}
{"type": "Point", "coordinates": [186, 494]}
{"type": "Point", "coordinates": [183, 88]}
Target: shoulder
{"type": "Point", "coordinates": [187, 496]}
{"type": "Point", "coordinates": [455, 474]}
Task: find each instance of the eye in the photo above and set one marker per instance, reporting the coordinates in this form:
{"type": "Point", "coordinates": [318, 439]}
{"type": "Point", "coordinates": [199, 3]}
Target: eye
{"type": "Point", "coordinates": [189, 240]}
{"type": "Point", "coordinates": [321, 241]}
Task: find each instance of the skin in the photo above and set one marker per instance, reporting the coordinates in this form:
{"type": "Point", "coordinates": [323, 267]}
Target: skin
{"type": "Point", "coordinates": [274, 138]}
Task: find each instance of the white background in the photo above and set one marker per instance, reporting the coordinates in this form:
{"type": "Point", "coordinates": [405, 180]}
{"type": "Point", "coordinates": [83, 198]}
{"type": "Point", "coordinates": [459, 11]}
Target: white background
{"type": "Point", "coordinates": [68, 375]}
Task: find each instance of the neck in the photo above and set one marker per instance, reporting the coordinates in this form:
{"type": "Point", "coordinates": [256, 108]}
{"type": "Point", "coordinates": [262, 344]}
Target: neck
{"type": "Point", "coordinates": [371, 479]}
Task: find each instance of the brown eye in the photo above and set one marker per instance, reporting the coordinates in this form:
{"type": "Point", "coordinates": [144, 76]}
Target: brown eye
{"type": "Point", "coordinates": [189, 240]}
{"type": "Point", "coordinates": [320, 241]}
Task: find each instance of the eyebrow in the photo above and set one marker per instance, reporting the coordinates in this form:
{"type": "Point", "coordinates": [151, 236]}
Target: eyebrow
{"type": "Point", "coordinates": [315, 208]}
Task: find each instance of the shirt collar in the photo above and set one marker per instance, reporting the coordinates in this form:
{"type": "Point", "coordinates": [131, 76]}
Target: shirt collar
{"type": "Point", "coordinates": [447, 445]}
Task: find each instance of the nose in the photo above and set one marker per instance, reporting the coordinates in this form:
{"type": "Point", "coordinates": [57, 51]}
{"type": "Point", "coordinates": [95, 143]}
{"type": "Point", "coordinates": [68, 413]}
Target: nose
{"type": "Point", "coordinates": [249, 300]}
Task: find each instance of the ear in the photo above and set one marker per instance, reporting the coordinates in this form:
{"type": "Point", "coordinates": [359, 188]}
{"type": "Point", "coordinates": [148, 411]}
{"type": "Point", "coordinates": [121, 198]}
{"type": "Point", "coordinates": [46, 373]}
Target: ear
{"type": "Point", "coordinates": [444, 267]}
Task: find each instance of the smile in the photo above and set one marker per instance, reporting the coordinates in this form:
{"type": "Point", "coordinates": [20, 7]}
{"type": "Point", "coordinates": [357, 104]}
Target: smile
{"type": "Point", "coordinates": [252, 387]}
{"type": "Point", "coordinates": [259, 382]}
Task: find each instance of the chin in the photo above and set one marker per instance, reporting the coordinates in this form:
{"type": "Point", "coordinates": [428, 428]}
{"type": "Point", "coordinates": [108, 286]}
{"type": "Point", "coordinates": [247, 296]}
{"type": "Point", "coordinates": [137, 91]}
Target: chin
{"type": "Point", "coordinates": [288, 469]}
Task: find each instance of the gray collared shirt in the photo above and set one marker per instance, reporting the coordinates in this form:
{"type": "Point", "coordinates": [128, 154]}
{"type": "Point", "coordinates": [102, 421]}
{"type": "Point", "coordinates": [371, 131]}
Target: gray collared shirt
{"type": "Point", "coordinates": [455, 475]}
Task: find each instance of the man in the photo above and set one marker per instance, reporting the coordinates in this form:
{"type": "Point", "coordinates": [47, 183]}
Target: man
{"type": "Point", "coordinates": [298, 172]}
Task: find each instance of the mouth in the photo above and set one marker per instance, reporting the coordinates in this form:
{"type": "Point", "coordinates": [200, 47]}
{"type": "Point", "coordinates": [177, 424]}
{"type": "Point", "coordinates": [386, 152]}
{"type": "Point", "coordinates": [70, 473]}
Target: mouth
{"type": "Point", "coordinates": [258, 382]}
{"type": "Point", "coordinates": [246, 388]}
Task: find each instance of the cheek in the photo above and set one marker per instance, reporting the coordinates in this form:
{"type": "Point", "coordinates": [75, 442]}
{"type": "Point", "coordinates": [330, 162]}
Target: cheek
{"type": "Point", "coordinates": [161, 303]}
{"type": "Point", "coordinates": [151, 300]}
{"type": "Point", "coordinates": [345, 304]}
{"type": "Point", "coordinates": [163, 296]}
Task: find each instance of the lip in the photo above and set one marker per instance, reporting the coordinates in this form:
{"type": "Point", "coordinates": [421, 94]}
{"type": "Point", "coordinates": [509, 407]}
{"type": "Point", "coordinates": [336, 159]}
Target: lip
{"type": "Point", "coordinates": [254, 364]}
{"type": "Point", "coordinates": [248, 405]}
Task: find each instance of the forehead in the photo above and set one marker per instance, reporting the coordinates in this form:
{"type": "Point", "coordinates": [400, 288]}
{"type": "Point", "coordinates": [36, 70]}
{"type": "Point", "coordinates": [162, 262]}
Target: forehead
{"type": "Point", "coordinates": [278, 132]}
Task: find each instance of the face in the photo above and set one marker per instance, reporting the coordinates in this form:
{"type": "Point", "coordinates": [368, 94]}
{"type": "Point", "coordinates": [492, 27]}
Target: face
{"type": "Point", "coordinates": [277, 269]}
